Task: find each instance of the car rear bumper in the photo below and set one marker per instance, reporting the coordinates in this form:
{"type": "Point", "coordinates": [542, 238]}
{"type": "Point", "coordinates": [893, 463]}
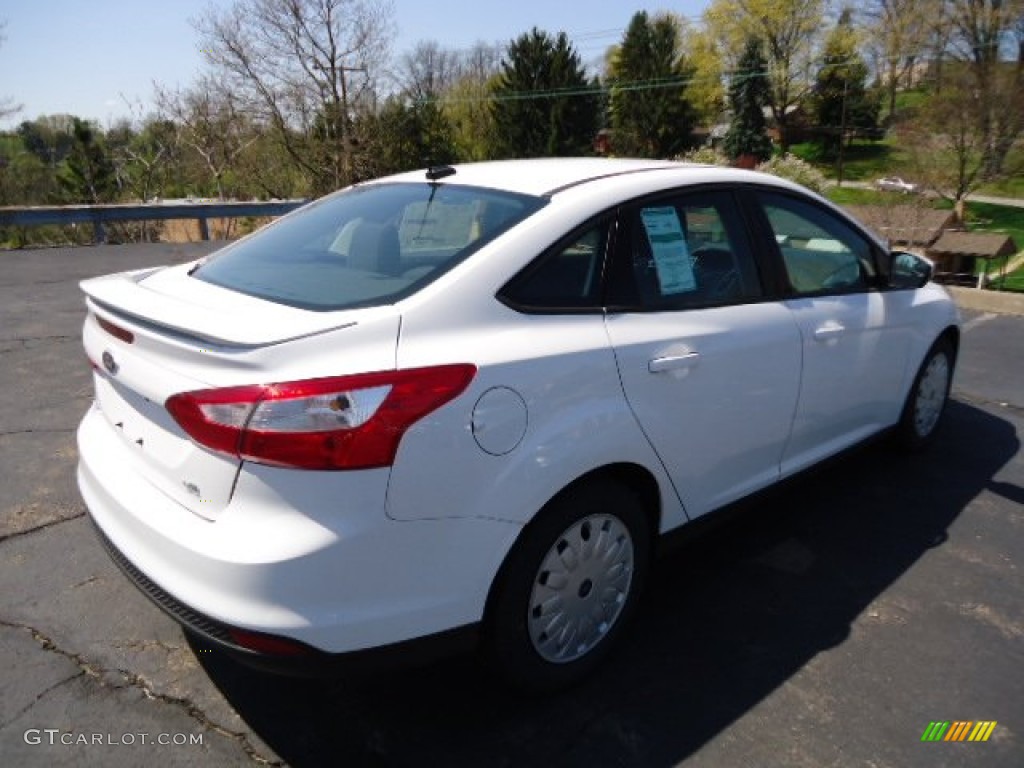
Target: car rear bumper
{"type": "Point", "coordinates": [307, 556]}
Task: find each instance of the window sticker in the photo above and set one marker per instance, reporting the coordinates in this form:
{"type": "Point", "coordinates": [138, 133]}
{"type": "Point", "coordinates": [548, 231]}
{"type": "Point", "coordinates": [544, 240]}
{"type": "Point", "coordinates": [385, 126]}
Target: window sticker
{"type": "Point", "coordinates": [668, 245]}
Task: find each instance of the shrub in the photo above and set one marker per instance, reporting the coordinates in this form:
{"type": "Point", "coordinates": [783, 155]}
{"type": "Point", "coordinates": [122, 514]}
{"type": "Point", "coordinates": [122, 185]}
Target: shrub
{"type": "Point", "coordinates": [793, 168]}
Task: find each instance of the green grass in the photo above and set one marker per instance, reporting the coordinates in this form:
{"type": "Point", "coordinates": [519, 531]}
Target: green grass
{"type": "Point", "coordinates": [852, 196]}
{"type": "Point", "coordinates": [983, 217]}
{"type": "Point", "coordinates": [862, 160]}
{"type": "Point", "coordinates": [1004, 220]}
{"type": "Point", "coordinates": [1012, 185]}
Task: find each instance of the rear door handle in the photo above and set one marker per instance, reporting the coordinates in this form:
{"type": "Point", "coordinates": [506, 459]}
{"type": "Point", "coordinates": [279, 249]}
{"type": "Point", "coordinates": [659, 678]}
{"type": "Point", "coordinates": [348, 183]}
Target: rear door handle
{"type": "Point", "coordinates": [829, 331]}
{"type": "Point", "coordinates": [673, 362]}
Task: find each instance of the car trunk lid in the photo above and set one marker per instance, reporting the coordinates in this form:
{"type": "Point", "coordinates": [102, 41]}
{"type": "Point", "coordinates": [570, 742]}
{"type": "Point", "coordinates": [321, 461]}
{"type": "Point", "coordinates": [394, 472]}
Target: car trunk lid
{"type": "Point", "coordinates": [154, 334]}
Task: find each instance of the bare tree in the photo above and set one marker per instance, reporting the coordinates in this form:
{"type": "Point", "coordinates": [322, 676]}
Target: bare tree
{"type": "Point", "coordinates": [946, 149]}
{"type": "Point", "coordinates": [897, 32]}
{"type": "Point", "coordinates": [987, 37]}
{"type": "Point", "coordinates": [211, 122]}
{"type": "Point", "coordinates": [7, 107]}
{"type": "Point", "coordinates": [466, 104]}
{"type": "Point", "coordinates": [303, 67]}
{"type": "Point", "coordinates": [428, 70]}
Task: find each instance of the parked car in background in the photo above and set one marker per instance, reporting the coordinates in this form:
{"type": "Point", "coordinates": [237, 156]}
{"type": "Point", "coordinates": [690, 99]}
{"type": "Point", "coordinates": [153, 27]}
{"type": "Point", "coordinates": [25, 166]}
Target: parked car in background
{"type": "Point", "coordinates": [466, 402]}
{"type": "Point", "coordinates": [896, 184]}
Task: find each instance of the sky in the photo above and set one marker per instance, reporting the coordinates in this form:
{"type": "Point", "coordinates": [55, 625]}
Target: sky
{"type": "Point", "coordinates": [99, 59]}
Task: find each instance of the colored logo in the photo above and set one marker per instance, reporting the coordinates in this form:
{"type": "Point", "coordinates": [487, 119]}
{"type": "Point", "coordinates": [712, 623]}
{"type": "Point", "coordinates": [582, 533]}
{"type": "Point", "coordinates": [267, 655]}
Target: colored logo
{"type": "Point", "coordinates": [958, 730]}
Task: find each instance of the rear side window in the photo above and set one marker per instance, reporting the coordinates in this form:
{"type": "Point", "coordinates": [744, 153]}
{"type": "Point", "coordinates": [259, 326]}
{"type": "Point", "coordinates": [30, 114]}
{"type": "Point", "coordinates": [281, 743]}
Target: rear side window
{"type": "Point", "coordinates": [566, 277]}
{"type": "Point", "coordinates": [366, 246]}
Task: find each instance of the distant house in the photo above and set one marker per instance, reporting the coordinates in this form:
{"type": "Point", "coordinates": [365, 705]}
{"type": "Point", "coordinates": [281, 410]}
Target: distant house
{"type": "Point", "coordinates": [956, 253]}
{"type": "Point", "coordinates": [928, 232]}
{"type": "Point", "coordinates": [908, 227]}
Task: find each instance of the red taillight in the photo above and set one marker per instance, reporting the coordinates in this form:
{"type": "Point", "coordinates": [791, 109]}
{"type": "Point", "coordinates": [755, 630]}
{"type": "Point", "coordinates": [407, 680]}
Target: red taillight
{"type": "Point", "coordinates": [342, 422]}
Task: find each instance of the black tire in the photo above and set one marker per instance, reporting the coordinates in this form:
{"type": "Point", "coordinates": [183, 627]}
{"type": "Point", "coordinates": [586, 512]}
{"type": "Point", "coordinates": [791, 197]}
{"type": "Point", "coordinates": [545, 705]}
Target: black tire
{"type": "Point", "coordinates": [517, 642]}
{"type": "Point", "coordinates": [926, 402]}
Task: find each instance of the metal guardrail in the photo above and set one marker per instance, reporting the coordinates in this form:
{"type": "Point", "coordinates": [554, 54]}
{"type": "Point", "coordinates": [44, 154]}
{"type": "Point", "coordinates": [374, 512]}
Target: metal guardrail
{"type": "Point", "coordinates": [98, 215]}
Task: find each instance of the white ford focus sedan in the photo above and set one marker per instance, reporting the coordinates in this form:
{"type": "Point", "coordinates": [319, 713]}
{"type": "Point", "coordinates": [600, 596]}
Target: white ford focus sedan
{"type": "Point", "coordinates": [465, 403]}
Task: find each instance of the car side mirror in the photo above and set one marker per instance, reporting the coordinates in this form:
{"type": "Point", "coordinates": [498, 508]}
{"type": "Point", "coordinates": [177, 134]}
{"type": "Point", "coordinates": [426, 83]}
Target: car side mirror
{"type": "Point", "coordinates": [908, 270]}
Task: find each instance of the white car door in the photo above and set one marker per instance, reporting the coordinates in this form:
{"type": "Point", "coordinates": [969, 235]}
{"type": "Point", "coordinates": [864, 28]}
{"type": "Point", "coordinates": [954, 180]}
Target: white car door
{"type": "Point", "coordinates": [855, 338]}
{"type": "Point", "coordinates": [710, 369]}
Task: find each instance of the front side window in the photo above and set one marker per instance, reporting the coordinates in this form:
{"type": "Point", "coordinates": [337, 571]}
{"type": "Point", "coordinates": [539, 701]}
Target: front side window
{"type": "Point", "coordinates": [366, 246]}
{"type": "Point", "coordinates": [821, 253]}
{"type": "Point", "coordinates": [690, 251]}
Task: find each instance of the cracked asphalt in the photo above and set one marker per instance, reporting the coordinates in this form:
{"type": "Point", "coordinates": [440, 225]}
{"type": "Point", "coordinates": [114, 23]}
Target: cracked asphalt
{"type": "Point", "coordinates": [826, 623]}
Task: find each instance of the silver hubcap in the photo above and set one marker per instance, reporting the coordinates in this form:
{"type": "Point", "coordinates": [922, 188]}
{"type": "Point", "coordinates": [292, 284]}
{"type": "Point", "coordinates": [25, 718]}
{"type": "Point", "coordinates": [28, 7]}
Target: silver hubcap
{"type": "Point", "coordinates": [931, 395]}
{"type": "Point", "coordinates": [580, 588]}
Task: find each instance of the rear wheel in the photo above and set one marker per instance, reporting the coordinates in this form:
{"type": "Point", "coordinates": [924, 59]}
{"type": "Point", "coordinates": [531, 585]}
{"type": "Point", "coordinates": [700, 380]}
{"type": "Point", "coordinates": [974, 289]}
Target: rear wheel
{"type": "Point", "coordinates": [569, 587]}
{"type": "Point", "coordinates": [927, 399]}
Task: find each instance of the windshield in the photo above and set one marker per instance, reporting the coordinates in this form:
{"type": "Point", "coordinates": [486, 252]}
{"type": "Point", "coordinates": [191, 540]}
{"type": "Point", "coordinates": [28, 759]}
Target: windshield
{"type": "Point", "coordinates": [366, 246]}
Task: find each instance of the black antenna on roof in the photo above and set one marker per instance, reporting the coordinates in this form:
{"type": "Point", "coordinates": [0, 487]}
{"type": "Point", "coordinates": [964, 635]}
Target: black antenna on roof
{"type": "Point", "coordinates": [437, 172]}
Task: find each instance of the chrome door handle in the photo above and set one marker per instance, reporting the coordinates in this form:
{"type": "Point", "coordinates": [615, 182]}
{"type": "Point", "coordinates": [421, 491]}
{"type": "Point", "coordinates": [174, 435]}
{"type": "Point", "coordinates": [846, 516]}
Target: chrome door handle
{"type": "Point", "coordinates": [673, 362]}
{"type": "Point", "coordinates": [829, 331]}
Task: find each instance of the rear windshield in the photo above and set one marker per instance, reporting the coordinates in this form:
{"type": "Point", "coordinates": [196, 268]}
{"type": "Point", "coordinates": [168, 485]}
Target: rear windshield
{"type": "Point", "coordinates": [366, 246]}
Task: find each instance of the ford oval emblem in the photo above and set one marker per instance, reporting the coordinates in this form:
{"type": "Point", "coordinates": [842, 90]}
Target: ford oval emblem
{"type": "Point", "coordinates": [109, 363]}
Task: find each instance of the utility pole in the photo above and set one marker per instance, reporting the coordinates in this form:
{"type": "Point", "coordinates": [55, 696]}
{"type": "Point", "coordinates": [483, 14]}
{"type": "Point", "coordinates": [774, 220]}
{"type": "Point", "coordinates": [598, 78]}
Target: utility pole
{"type": "Point", "coordinates": [842, 133]}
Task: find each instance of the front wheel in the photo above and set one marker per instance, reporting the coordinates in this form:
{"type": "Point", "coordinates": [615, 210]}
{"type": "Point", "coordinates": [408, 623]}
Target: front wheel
{"type": "Point", "coordinates": [927, 399]}
{"type": "Point", "coordinates": [569, 587]}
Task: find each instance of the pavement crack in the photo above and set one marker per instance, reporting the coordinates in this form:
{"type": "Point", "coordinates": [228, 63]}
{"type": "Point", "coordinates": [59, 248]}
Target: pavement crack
{"type": "Point", "coordinates": [43, 527]}
{"type": "Point", "coordinates": [131, 679]}
{"type": "Point", "coordinates": [53, 337]}
{"type": "Point", "coordinates": [10, 432]}
{"type": "Point", "coordinates": [39, 697]}
{"type": "Point", "coordinates": [197, 714]}
{"type": "Point", "coordinates": [32, 342]}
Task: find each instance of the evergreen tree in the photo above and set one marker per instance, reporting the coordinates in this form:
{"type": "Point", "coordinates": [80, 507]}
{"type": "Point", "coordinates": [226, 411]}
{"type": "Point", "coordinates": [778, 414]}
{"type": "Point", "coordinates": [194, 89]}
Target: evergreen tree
{"type": "Point", "coordinates": [543, 104]}
{"type": "Point", "coordinates": [88, 175]}
{"type": "Point", "coordinates": [748, 96]}
{"type": "Point", "coordinates": [842, 100]}
{"type": "Point", "coordinates": [407, 136]}
{"type": "Point", "coordinates": [651, 115]}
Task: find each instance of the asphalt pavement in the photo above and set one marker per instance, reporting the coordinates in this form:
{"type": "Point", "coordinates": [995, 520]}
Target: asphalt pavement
{"type": "Point", "coordinates": [826, 624]}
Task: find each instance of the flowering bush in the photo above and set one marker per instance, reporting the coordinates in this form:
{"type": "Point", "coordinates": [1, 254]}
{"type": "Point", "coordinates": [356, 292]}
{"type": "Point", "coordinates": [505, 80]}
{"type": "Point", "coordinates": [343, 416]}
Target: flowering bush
{"type": "Point", "coordinates": [704, 156]}
{"type": "Point", "coordinates": [793, 168]}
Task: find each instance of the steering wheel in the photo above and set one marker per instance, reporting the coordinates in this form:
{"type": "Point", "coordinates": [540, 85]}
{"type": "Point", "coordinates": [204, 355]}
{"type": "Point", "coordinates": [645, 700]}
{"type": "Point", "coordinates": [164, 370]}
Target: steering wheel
{"type": "Point", "coordinates": [844, 276]}
{"type": "Point", "coordinates": [715, 269]}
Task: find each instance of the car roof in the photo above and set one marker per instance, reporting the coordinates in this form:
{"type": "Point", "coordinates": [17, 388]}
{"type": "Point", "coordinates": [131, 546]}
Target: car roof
{"type": "Point", "coordinates": [547, 176]}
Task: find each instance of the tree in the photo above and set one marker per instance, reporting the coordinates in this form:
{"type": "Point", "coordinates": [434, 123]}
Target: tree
{"type": "Point", "coordinates": [897, 31]}
{"type": "Point", "coordinates": [841, 97]}
{"type": "Point", "coordinates": [408, 136]}
{"type": "Point", "coordinates": [946, 148]}
{"type": "Point", "coordinates": [705, 90]}
{"type": "Point", "coordinates": [648, 80]}
{"type": "Point", "coordinates": [429, 70]}
{"type": "Point", "coordinates": [466, 103]}
{"type": "Point", "coordinates": [543, 104]}
{"type": "Point", "coordinates": [789, 30]}
{"type": "Point", "coordinates": [88, 174]}
{"type": "Point", "coordinates": [211, 123]}
{"type": "Point", "coordinates": [144, 151]}
{"type": "Point", "coordinates": [49, 137]}
{"type": "Point", "coordinates": [7, 107]}
{"type": "Point", "coordinates": [980, 32]}
{"type": "Point", "coordinates": [748, 96]}
{"type": "Point", "coordinates": [305, 69]}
